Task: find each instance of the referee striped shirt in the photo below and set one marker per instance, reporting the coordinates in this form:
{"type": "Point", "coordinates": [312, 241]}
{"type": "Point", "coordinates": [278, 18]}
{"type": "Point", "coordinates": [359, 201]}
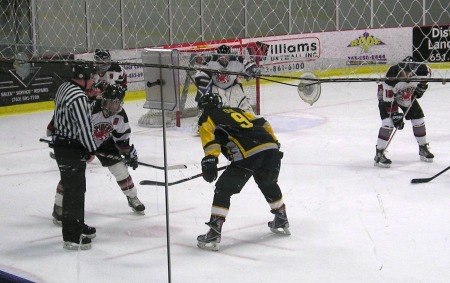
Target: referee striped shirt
{"type": "Point", "coordinates": [72, 116]}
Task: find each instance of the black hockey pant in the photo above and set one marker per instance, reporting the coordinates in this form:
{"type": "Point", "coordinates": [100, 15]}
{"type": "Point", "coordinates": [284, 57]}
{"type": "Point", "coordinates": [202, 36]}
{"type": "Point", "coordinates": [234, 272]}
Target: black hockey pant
{"type": "Point", "coordinates": [263, 166]}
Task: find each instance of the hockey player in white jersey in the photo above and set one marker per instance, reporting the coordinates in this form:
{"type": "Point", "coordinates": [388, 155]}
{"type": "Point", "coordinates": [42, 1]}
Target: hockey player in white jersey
{"type": "Point", "coordinates": [107, 73]}
{"type": "Point", "coordinates": [112, 136]}
{"type": "Point", "coordinates": [400, 94]}
{"type": "Point", "coordinates": [228, 86]}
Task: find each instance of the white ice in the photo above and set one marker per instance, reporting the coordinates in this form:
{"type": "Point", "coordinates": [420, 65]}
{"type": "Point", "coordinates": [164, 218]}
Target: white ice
{"type": "Point", "coordinates": [350, 221]}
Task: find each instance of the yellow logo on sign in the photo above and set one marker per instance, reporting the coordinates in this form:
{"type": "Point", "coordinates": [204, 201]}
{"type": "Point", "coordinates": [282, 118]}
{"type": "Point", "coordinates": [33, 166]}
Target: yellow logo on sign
{"type": "Point", "coordinates": [366, 41]}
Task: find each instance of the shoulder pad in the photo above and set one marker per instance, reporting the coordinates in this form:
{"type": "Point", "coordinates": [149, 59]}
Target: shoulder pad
{"type": "Point", "coordinates": [115, 68]}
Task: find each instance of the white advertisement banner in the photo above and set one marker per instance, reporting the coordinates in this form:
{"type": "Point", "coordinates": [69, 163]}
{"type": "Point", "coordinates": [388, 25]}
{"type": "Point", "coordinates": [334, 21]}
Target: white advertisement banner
{"type": "Point", "coordinates": [338, 49]}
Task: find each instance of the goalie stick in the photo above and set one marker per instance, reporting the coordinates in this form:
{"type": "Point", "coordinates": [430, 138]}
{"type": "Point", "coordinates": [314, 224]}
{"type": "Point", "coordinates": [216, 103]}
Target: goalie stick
{"type": "Point", "coordinates": [426, 180]}
{"type": "Point", "coordinates": [157, 183]}
{"type": "Point", "coordinates": [115, 157]}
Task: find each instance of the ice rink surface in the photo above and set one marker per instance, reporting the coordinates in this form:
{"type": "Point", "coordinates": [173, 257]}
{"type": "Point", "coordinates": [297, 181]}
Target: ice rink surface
{"type": "Point", "coordinates": [350, 221]}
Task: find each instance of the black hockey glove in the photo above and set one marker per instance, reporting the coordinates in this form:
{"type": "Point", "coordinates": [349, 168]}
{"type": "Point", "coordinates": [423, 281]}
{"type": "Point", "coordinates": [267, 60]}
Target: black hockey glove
{"type": "Point", "coordinates": [397, 118]}
{"type": "Point", "coordinates": [420, 90]}
{"type": "Point", "coordinates": [209, 168]}
{"type": "Point", "coordinates": [131, 158]}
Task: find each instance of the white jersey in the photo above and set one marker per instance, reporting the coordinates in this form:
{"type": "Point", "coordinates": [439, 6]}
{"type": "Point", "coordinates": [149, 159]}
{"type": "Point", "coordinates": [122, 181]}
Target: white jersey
{"type": "Point", "coordinates": [226, 85]}
{"type": "Point", "coordinates": [115, 127]}
{"type": "Point", "coordinates": [222, 80]}
{"type": "Point", "coordinates": [402, 91]}
{"type": "Point", "coordinates": [114, 75]}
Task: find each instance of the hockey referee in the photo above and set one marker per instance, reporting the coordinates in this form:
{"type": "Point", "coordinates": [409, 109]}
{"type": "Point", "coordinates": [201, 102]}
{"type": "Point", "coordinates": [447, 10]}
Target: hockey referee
{"type": "Point", "coordinates": [74, 145]}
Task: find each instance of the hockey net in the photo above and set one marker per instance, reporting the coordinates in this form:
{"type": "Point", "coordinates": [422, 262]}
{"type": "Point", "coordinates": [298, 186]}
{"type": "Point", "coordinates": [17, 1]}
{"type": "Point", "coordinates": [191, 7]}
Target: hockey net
{"type": "Point", "coordinates": [192, 56]}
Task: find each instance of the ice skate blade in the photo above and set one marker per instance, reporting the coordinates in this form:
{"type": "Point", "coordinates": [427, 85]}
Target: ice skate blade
{"type": "Point", "coordinates": [424, 159]}
{"type": "Point", "coordinates": [91, 236]}
{"type": "Point", "coordinates": [138, 212]}
{"type": "Point", "coordinates": [57, 222]}
{"type": "Point", "coordinates": [381, 165]}
{"type": "Point", "coordinates": [211, 246]}
{"type": "Point", "coordinates": [73, 246]}
{"type": "Point", "coordinates": [281, 231]}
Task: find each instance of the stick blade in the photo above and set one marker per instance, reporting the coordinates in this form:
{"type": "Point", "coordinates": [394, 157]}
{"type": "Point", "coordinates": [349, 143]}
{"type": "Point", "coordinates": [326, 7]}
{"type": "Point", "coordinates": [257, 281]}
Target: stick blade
{"type": "Point", "coordinates": [179, 166]}
{"type": "Point", "coordinates": [420, 180]}
{"type": "Point", "coordinates": [151, 183]}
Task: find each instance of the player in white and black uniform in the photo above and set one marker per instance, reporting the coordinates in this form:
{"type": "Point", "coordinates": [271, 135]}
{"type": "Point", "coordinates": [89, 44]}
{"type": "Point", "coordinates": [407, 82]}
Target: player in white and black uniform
{"type": "Point", "coordinates": [111, 133]}
{"type": "Point", "coordinates": [108, 73]}
{"type": "Point", "coordinates": [395, 95]}
{"type": "Point", "coordinates": [228, 86]}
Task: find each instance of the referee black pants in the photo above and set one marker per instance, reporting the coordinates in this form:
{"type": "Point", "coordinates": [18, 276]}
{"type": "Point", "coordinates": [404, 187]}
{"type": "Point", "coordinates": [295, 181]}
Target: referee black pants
{"type": "Point", "coordinates": [72, 168]}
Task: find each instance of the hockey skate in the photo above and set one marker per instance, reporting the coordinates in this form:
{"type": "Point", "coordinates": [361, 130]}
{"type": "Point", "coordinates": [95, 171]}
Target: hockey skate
{"type": "Point", "coordinates": [425, 154]}
{"type": "Point", "coordinates": [136, 205]}
{"type": "Point", "coordinates": [84, 243]}
{"type": "Point", "coordinates": [210, 241]}
{"type": "Point", "coordinates": [280, 223]}
{"type": "Point", "coordinates": [57, 215]}
{"type": "Point", "coordinates": [89, 231]}
{"type": "Point", "coordinates": [381, 160]}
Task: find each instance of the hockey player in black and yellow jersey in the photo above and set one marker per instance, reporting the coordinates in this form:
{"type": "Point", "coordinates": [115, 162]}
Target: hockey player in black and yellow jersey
{"type": "Point", "coordinates": [250, 144]}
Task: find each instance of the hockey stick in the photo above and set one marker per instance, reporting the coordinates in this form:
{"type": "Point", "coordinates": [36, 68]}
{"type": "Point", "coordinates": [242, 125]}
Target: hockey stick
{"type": "Point", "coordinates": [393, 133]}
{"type": "Point", "coordinates": [115, 157]}
{"type": "Point", "coordinates": [118, 158]}
{"type": "Point", "coordinates": [156, 183]}
{"type": "Point", "coordinates": [426, 180]}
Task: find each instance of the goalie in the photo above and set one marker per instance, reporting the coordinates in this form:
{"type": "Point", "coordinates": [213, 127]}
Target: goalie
{"type": "Point", "coordinates": [395, 95]}
{"type": "Point", "coordinates": [228, 86]}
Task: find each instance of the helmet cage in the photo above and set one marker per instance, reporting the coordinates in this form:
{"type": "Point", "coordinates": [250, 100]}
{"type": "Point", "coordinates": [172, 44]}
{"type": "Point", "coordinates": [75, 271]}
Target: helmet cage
{"type": "Point", "coordinates": [112, 100]}
{"type": "Point", "coordinates": [101, 56]}
{"type": "Point", "coordinates": [111, 106]}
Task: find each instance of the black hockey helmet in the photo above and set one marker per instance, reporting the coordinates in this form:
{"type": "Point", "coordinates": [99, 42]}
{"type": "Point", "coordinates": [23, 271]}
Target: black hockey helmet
{"type": "Point", "coordinates": [112, 99]}
{"type": "Point", "coordinates": [409, 64]}
{"type": "Point", "coordinates": [210, 101]}
{"type": "Point", "coordinates": [102, 55]}
{"type": "Point", "coordinates": [223, 49]}
{"type": "Point", "coordinates": [82, 70]}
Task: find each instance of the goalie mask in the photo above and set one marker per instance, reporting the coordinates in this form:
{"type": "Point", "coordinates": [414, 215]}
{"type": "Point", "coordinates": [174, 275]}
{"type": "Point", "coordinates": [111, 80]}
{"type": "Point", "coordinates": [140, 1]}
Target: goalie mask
{"type": "Point", "coordinates": [223, 59]}
{"type": "Point", "coordinates": [102, 55]}
{"type": "Point", "coordinates": [223, 49]}
{"type": "Point", "coordinates": [112, 100]}
{"type": "Point", "coordinates": [210, 101]}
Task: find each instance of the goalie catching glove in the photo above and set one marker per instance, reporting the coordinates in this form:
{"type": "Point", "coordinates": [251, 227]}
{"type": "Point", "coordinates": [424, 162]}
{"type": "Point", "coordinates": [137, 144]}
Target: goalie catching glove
{"type": "Point", "coordinates": [209, 168]}
{"type": "Point", "coordinates": [397, 119]}
{"type": "Point", "coordinates": [131, 158]}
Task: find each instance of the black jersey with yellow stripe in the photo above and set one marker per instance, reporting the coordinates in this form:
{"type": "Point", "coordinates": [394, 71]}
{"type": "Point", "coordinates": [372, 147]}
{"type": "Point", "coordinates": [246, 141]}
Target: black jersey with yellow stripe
{"type": "Point", "coordinates": [237, 132]}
